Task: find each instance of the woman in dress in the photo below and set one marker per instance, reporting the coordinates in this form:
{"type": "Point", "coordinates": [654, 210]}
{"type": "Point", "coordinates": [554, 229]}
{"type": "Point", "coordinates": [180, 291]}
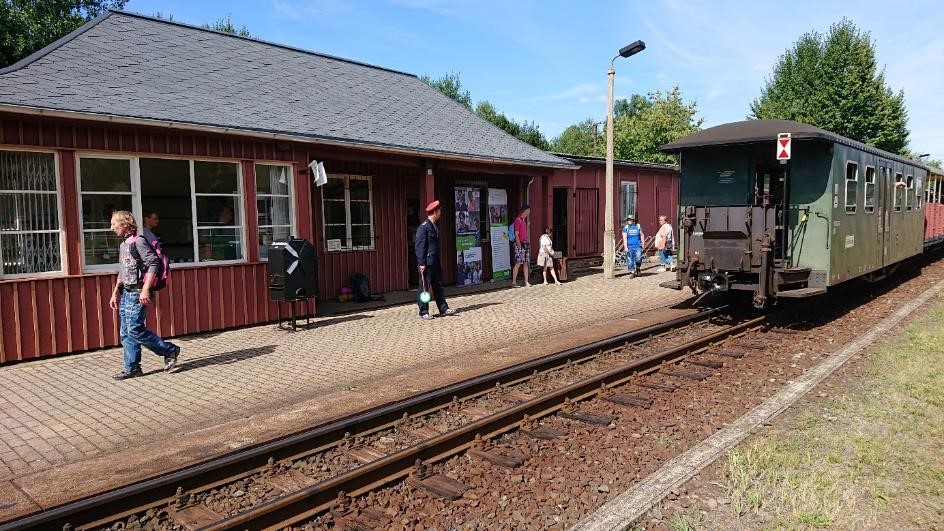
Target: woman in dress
{"type": "Point", "coordinates": [546, 256]}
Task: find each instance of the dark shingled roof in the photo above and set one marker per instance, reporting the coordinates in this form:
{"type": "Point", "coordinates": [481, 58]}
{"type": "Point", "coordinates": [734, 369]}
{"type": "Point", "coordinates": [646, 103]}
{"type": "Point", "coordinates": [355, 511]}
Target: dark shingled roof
{"type": "Point", "coordinates": [135, 67]}
{"type": "Point", "coordinates": [750, 131]}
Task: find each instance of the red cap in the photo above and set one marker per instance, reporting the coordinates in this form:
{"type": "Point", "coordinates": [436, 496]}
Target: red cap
{"type": "Point", "coordinates": [432, 206]}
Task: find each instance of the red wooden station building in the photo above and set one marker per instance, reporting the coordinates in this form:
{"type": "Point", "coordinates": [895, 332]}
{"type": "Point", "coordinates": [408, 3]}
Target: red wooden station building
{"type": "Point", "coordinates": [216, 133]}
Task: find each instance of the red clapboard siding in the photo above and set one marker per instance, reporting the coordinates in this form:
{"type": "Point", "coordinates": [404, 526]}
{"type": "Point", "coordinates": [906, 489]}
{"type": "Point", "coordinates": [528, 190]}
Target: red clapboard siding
{"type": "Point", "coordinates": [46, 316]}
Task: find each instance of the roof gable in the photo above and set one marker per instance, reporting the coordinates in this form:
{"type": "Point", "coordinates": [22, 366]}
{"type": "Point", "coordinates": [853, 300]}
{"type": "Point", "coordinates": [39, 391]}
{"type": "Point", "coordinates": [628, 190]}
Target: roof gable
{"type": "Point", "coordinates": [138, 67]}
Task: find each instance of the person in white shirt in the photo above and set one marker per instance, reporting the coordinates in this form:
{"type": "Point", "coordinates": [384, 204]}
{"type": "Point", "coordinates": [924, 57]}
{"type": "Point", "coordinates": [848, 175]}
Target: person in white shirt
{"type": "Point", "coordinates": [546, 256]}
{"type": "Point", "coordinates": [665, 243]}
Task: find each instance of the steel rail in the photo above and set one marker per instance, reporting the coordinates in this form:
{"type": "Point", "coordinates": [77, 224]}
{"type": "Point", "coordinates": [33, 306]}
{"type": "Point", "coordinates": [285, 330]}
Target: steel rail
{"type": "Point", "coordinates": [104, 508]}
{"type": "Point", "coordinates": [308, 502]}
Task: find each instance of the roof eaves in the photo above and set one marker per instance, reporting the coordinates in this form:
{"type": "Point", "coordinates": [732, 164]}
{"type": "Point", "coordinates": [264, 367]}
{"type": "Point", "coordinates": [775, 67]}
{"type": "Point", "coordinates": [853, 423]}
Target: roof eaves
{"type": "Point", "coordinates": [39, 54]}
{"type": "Point", "coordinates": [618, 162]}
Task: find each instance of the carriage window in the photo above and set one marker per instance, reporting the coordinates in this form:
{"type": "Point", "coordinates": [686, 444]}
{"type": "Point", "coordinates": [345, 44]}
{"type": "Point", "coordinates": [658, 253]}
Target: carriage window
{"type": "Point", "coordinates": [852, 187]}
{"type": "Point", "coordinates": [899, 192]}
{"type": "Point", "coordinates": [869, 204]}
{"type": "Point", "coordinates": [909, 193]}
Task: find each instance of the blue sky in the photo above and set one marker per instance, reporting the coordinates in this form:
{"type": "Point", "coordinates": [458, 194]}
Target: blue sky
{"type": "Point", "coordinates": [546, 61]}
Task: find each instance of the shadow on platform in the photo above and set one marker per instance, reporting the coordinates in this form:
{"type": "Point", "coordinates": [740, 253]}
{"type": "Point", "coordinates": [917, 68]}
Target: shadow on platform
{"type": "Point", "coordinates": [224, 358]}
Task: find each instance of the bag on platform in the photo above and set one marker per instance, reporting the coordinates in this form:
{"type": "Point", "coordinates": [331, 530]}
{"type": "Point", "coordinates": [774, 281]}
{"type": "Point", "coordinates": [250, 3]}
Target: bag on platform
{"type": "Point", "coordinates": [360, 285]}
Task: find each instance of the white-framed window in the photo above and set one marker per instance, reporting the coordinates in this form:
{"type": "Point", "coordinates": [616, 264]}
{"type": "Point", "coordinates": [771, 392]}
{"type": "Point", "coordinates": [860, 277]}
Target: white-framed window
{"type": "Point", "coordinates": [869, 203]}
{"type": "Point", "coordinates": [275, 206]}
{"type": "Point", "coordinates": [627, 199]}
{"type": "Point", "coordinates": [899, 192]}
{"type": "Point", "coordinates": [909, 193]}
{"type": "Point", "coordinates": [348, 213]}
{"type": "Point", "coordinates": [852, 186]}
{"type": "Point", "coordinates": [199, 204]}
{"type": "Point", "coordinates": [30, 214]}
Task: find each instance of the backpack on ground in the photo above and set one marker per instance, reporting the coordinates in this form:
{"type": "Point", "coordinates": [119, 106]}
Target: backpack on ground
{"type": "Point", "coordinates": [511, 232]}
{"type": "Point", "coordinates": [360, 286]}
{"type": "Point", "coordinates": [163, 263]}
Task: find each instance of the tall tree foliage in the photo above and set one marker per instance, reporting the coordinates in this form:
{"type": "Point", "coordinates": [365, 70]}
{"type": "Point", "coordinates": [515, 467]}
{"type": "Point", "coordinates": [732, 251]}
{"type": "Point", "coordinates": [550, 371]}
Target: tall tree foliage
{"type": "Point", "coordinates": [451, 86]}
{"type": "Point", "coordinates": [640, 125]}
{"type": "Point", "coordinates": [28, 25]}
{"type": "Point", "coordinates": [225, 24]}
{"type": "Point", "coordinates": [833, 81]}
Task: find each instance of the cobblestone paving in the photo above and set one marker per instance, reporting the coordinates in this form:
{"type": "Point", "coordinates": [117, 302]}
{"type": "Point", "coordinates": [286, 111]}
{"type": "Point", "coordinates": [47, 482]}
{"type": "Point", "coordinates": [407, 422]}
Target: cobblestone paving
{"type": "Point", "coordinates": [64, 410]}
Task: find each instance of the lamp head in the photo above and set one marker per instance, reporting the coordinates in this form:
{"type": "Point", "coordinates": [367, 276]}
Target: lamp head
{"type": "Point", "coordinates": [632, 49]}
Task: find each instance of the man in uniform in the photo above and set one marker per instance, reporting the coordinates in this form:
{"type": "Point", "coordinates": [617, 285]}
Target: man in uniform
{"type": "Point", "coordinates": [427, 257]}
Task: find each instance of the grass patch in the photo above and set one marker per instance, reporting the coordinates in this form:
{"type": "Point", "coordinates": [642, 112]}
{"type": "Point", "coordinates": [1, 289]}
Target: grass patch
{"type": "Point", "coordinates": [686, 521]}
{"type": "Point", "coordinates": [871, 459]}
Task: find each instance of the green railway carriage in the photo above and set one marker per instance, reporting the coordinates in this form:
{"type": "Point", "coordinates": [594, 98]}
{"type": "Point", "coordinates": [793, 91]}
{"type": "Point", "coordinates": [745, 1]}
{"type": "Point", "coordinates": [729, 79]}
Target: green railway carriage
{"type": "Point", "coordinates": [836, 210]}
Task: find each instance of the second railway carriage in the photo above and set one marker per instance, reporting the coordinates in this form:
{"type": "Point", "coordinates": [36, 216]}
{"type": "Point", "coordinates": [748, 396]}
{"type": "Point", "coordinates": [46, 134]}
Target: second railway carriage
{"type": "Point", "coordinates": [836, 210]}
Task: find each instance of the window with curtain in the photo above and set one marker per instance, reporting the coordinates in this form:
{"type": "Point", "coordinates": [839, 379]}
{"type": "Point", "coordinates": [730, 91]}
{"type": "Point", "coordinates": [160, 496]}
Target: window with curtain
{"type": "Point", "coordinates": [30, 239]}
{"type": "Point", "coordinates": [348, 213]}
{"type": "Point", "coordinates": [274, 205]}
{"type": "Point", "coordinates": [909, 193]}
{"type": "Point", "coordinates": [627, 199]}
{"type": "Point", "coordinates": [899, 192]}
{"type": "Point", "coordinates": [852, 187]}
{"type": "Point", "coordinates": [869, 205]}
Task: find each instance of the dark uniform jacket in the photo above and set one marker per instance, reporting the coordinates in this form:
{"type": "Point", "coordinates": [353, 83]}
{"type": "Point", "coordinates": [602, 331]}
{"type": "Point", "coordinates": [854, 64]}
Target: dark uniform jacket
{"type": "Point", "coordinates": [426, 244]}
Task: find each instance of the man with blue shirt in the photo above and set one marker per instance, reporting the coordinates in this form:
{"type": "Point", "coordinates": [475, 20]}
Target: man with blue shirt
{"type": "Point", "coordinates": [632, 241]}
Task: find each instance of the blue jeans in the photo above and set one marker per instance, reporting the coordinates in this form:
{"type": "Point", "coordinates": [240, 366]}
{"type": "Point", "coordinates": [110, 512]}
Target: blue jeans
{"type": "Point", "coordinates": [665, 257]}
{"type": "Point", "coordinates": [134, 334]}
{"type": "Point", "coordinates": [633, 258]}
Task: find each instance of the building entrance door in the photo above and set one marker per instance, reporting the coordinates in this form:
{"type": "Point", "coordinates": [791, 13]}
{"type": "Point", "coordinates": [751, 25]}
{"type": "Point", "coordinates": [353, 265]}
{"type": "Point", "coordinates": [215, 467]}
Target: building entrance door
{"type": "Point", "coordinates": [559, 220]}
{"type": "Point", "coordinates": [412, 223]}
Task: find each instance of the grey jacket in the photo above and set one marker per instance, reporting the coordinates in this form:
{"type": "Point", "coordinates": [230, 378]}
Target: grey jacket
{"type": "Point", "coordinates": [134, 263]}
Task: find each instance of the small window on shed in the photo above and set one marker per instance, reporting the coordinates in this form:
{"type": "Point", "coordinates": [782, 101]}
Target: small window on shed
{"type": "Point", "coordinates": [852, 187]}
{"type": "Point", "coordinates": [899, 194]}
{"type": "Point", "coordinates": [869, 204]}
{"type": "Point", "coordinates": [909, 193]}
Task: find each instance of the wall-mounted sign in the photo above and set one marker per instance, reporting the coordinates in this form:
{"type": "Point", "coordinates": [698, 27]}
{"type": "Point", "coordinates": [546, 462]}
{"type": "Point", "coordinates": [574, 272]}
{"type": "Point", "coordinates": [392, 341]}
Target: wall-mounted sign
{"type": "Point", "coordinates": [333, 245]}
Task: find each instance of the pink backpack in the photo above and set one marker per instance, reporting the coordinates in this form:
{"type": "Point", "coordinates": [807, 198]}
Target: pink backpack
{"type": "Point", "coordinates": [163, 267]}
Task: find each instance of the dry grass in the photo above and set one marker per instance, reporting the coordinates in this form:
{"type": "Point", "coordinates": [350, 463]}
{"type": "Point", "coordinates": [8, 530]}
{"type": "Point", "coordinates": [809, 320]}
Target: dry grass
{"type": "Point", "coordinates": [873, 459]}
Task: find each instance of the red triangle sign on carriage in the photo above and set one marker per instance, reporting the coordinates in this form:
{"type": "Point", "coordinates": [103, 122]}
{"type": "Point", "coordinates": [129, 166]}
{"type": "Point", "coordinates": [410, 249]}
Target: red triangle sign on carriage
{"type": "Point", "coordinates": [783, 146]}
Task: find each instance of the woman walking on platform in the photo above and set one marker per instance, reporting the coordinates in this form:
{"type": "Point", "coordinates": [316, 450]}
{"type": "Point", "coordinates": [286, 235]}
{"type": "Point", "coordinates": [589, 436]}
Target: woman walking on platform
{"type": "Point", "coordinates": [546, 256]}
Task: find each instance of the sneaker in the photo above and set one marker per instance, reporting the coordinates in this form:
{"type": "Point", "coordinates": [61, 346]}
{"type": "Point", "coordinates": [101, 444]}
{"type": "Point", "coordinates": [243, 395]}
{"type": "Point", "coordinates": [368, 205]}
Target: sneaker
{"type": "Point", "coordinates": [660, 270]}
{"type": "Point", "coordinates": [515, 286]}
{"type": "Point", "coordinates": [449, 311]}
{"type": "Point", "coordinates": [170, 360]}
{"type": "Point", "coordinates": [426, 317]}
{"type": "Point", "coordinates": [124, 375]}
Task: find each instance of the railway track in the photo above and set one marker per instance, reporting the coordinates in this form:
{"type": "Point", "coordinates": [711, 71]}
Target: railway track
{"type": "Point", "coordinates": [178, 499]}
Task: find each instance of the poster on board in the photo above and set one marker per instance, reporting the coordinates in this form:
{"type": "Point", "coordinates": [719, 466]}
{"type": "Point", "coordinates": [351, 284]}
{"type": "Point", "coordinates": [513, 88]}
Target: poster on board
{"type": "Point", "coordinates": [498, 231]}
{"type": "Point", "coordinates": [468, 239]}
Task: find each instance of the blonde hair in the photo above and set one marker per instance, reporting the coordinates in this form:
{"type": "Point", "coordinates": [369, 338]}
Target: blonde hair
{"type": "Point", "coordinates": [123, 217]}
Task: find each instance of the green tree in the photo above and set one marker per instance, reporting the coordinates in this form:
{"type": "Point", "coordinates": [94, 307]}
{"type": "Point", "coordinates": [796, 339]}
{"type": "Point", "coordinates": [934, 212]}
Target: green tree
{"type": "Point", "coordinates": [451, 85]}
{"type": "Point", "coordinates": [581, 139]}
{"type": "Point", "coordinates": [664, 118]}
{"type": "Point", "coordinates": [527, 132]}
{"type": "Point", "coordinates": [834, 82]}
{"type": "Point", "coordinates": [640, 125]}
{"type": "Point", "coordinates": [28, 25]}
{"type": "Point", "coordinates": [225, 25]}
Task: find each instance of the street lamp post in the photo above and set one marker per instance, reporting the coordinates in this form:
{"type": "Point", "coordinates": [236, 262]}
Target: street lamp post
{"type": "Point", "coordinates": [609, 239]}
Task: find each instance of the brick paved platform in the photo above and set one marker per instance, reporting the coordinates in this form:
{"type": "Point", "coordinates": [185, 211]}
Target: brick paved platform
{"type": "Point", "coordinates": [67, 429]}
